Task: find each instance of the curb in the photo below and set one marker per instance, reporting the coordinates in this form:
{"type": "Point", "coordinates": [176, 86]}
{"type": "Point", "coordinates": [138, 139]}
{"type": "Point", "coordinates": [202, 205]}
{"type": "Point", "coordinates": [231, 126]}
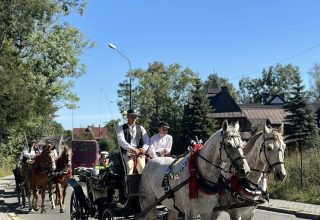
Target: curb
{"type": "Point", "coordinates": [2, 190]}
{"type": "Point", "coordinates": [291, 212]}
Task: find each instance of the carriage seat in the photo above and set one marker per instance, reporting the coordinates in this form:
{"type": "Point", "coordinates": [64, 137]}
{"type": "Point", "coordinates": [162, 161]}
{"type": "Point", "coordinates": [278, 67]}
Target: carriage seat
{"type": "Point", "coordinates": [116, 160]}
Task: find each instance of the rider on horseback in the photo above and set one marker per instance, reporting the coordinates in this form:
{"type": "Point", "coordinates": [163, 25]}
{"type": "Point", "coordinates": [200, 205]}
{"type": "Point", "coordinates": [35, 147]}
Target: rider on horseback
{"type": "Point", "coordinates": [30, 150]}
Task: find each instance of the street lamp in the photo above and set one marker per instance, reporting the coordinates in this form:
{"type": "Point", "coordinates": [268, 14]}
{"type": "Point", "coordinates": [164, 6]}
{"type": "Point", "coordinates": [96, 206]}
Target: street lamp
{"type": "Point", "coordinates": [113, 47]}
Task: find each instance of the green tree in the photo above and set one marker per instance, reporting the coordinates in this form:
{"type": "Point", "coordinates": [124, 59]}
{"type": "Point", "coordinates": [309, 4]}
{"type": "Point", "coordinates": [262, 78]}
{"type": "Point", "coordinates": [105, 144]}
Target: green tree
{"type": "Point", "coordinates": [223, 82]}
{"type": "Point", "coordinates": [111, 143]}
{"type": "Point", "coordinates": [301, 117]}
{"type": "Point", "coordinates": [159, 94]}
{"type": "Point", "coordinates": [275, 80]}
{"type": "Point", "coordinates": [39, 53]}
{"type": "Point", "coordinates": [197, 122]}
{"type": "Point", "coordinates": [315, 83]}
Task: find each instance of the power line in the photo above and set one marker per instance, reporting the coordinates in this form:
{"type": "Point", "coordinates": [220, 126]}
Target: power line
{"type": "Point", "coordinates": [281, 61]}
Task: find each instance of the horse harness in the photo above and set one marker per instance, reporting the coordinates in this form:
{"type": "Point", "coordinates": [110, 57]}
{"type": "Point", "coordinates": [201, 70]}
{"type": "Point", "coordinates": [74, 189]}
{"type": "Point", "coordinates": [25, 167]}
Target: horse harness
{"type": "Point", "coordinates": [263, 148]}
{"type": "Point", "coordinates": [206, 186]}
{"type": "Point", "coordinates": [247, 184]}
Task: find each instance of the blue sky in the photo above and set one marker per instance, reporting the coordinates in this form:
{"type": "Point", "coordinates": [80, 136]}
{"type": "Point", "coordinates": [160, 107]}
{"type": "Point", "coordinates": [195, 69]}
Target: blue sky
{"type": "Point", "coordinates": [233, 38]}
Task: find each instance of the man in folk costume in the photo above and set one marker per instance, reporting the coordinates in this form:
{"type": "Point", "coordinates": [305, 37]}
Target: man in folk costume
{"type": "Point", "coordinates": [161, 143]}
{"type": "Point", "coordinates": [134, 142]}
{"type": "Point", "coordinates": [29, 150]}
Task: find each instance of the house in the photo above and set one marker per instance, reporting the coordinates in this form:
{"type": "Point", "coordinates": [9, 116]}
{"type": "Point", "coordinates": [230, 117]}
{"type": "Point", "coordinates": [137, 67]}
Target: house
{"type": "Point", "coordinates": [91, 132]}
{"type": "Point", "coordinates": [249, 116]}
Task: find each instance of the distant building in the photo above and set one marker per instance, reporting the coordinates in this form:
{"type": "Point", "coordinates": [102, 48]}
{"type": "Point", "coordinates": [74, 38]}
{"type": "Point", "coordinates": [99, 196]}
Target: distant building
{"type": "Point", "coordinates": [249, 116]}
{"type": "Point", "coordinates": [96, 133]}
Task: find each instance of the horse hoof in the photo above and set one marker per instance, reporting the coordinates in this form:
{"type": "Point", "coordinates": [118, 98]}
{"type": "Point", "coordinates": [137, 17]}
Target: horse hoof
{"type": "Point", "coordinates": [43, 211]}
{"type": "Point", "coordinates": [61, 211]}
{"type": "Point", "coordinates": [35, 209]}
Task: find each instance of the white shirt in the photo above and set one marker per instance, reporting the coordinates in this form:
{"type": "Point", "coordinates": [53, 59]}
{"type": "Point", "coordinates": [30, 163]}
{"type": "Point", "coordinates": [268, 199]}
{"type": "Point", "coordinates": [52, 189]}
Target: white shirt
{"type": "Point", "coordinates": [158, 144]}
{"type": "Point", "coordinates": [133, 144]}
{"type": "Point", "coordinates": [27, 154]}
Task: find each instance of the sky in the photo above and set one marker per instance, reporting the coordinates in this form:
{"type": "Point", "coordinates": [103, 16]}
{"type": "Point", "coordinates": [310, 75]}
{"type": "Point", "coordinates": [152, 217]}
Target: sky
{"type": "Point", "coordinates": [232, 38]}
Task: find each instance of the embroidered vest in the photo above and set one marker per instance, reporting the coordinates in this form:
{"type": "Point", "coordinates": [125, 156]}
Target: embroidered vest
{"type": "Point", "coordinates": [127, 136]}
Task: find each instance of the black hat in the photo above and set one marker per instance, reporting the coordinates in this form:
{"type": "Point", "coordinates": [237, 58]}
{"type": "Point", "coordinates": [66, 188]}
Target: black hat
{"type": "Point", "coordinates": [163, 124]}
{"type": "Point", "coordinates": [132, 112]}
{"type": "Point", "coordinates": [48, 141]}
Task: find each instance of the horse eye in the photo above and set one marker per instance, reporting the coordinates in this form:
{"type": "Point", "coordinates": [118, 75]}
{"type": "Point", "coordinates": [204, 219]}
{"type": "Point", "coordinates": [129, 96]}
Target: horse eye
{"type": "Point", "coordinates": [269, 148]}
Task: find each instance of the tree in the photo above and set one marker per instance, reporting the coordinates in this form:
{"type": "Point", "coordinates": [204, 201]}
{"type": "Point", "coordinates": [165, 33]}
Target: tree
{"type": "Point", "coordinates": [315, 83]}
{"type": "Point", "coordinates": [159, 94]}
{"type": "Point", "coordinates": [223, 82]}
{"type": "Point", "coordinates": [197, 119]}
{"type": "Point", "coordinates": [111, 143]}
{"type": "Point", "coordinates": [301, 117]}
{"type": "Point", "coordinates": [275, 81]}
{"type": "Point", "coordinates": [38, 54]}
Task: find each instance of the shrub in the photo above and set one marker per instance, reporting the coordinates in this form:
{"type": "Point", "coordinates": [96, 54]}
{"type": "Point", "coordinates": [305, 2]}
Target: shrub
{"type": "Point", "coordinates": [6, 166]}
{"type": "Point", "coordinates": [291, 188]}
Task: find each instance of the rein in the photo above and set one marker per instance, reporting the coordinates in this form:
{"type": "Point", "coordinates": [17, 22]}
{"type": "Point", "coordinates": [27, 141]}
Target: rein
{"type": "Point", "coordinates": [270, 166]}
{"type": "Point", "coordinates": [247, 184]}
{"type": "Point", "coordinates": [223, 146]}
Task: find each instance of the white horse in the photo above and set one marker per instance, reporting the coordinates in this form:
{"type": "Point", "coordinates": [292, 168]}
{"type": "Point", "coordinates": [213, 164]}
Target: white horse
{"type": "Point", "coordinates": [265, 155]}
{"type": "Point", "coordinates": [224, 145]}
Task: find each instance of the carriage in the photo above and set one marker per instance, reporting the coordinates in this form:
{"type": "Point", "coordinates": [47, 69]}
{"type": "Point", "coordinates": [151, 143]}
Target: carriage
{"type": "Point", "coordinates": [104, 191]}
{"type": "Point", "coordinates": [143, 193]}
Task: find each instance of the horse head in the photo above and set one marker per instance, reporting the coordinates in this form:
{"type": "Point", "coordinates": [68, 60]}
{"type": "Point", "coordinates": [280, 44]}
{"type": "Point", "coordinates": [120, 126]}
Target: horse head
{"type": "Point", "coordinates": [45, 160]}
{"type": "Point", "coordinates": [231, 149]}
{"type": "Point", "coordinates": [272, 152]}
{"type": "Point", "coordinates": [66, 156]}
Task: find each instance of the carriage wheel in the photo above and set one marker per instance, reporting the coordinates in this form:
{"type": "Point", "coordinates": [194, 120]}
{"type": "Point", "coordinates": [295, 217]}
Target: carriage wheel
{"type": "Point", "coordinates": [77, 212]}
{"type": "Point", "coordinates": [107, 215]}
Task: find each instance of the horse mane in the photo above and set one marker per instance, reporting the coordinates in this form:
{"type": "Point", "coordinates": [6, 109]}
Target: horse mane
{"type": "Point", "coordinates": [277, 135]}
{"type": "Point", "coordinates": [251, 142]}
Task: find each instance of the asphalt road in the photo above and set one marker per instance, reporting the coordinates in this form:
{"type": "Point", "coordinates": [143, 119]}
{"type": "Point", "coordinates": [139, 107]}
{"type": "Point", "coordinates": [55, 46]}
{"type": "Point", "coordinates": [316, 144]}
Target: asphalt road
{"type": "Point", "coordinates": [23, 214]}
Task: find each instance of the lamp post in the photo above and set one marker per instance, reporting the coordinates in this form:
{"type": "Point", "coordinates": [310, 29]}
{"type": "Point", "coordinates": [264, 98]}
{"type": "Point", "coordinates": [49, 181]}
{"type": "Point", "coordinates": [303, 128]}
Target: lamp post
{"type": "Point", "coordinates": [113, 47]}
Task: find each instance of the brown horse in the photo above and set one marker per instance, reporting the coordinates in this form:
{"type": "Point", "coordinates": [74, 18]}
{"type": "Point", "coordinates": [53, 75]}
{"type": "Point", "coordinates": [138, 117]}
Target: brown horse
{"type": "Point", "coordinates": [61, 176]}
{"type": "Point", "coordinates": [37, 177]}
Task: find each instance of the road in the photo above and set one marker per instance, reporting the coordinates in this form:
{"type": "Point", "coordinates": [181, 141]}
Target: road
{"type": "Point", "coordinates": [22, 213]}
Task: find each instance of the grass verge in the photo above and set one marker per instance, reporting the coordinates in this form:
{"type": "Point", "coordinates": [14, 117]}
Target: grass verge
{"type": "Point", "coordinates": [299, 187]}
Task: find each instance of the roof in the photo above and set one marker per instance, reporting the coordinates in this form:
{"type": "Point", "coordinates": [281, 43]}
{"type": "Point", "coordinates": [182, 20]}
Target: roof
{"type": "Point", "coordinates": [258, 113]}
{"type": "Point", "coordinates": [228, 115]}
{"type": "Point", "coordinates": [223, 102]}
{"type": "Point", "coordinates": [97, 132]}
{"type": "Point", "coordinates": [276, 100]}
{"type": "Point", "coordinates": [213, 88]}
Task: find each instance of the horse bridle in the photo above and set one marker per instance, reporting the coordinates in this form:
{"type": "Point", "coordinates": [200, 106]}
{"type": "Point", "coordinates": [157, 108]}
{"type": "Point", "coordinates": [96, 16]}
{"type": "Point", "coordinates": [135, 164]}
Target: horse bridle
{"type": "Point", "coordinates": [46, 169]}
{"type": "Point", "coordinates": [223, 145]}
{"type": "Point", "coordinates": [263, 149]}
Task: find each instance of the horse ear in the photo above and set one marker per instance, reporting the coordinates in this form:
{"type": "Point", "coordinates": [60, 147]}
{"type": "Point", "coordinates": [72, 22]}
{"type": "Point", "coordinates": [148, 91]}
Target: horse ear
{"type": "Point", "coordinates": [265, 128]}
{"type": "Point", "coordinates": [281, 129]}
{"type": "Point", "coordinates": [237, 126]}
{"type": "Point", "coordinates": [225, 125]}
